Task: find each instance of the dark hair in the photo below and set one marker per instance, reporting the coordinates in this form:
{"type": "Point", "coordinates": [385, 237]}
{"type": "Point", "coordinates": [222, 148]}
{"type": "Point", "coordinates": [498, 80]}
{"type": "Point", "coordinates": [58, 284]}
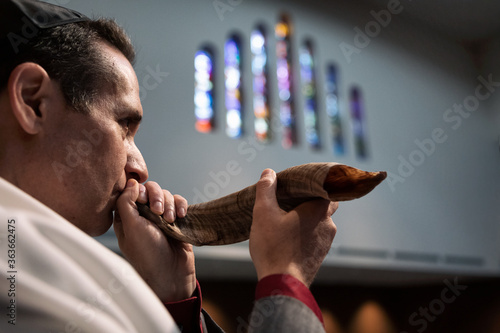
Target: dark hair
{"type": "Point", "coordinates": [71, 54]}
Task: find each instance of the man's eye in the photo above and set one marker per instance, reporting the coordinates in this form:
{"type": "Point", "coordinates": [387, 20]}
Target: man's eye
{"type": "Point", "coordinates": [125, 123]}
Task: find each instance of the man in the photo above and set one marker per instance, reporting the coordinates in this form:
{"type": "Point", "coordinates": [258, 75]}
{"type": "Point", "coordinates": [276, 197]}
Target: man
{"type": "Point", "coordinates": [69, 168]}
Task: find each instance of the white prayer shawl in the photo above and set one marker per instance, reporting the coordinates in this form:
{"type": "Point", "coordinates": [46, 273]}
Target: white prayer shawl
{"type": "Point", "coordinates": [56, 278]}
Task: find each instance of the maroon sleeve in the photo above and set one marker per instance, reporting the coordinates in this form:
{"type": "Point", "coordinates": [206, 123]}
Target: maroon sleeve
{"type": "Point", "coordinates": [186, 313]}
{"type": "Point", "coordinates": [287, 285]}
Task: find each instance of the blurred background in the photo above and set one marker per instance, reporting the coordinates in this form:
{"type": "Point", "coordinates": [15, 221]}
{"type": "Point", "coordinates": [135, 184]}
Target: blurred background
{"type": "Point", "coordinates": [231, 87]}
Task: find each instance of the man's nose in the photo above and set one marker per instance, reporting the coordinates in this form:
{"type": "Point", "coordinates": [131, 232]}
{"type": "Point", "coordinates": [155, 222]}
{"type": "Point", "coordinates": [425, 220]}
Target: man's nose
{"type": "Point", "coordinates": [136, 166]}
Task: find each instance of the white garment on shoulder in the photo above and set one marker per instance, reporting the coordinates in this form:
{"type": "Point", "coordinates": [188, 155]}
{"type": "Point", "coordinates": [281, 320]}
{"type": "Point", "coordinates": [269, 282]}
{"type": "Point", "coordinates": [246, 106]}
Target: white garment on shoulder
{"type": "Point", "coordinates": [56, 278]}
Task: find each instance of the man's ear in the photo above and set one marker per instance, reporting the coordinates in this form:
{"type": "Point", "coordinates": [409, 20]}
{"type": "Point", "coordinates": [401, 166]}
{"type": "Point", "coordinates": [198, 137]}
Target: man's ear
{"type": "Point", "coordinates": [29, 88]}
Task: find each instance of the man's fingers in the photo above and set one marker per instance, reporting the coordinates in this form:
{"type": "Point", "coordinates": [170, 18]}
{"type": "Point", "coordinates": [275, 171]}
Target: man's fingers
{"type": "Point", "coordinates": [181, 205]}
{"type": "Point", "coordinates": [156, 197]}
{"type": "Point", "coordinates": [314, 209]}
{"type": "Point", "coordinates": [162, 202]}
{"type": "Point", "coordinates": [169, 206]}
{"type": "Point", "coordinates": [143, 196]}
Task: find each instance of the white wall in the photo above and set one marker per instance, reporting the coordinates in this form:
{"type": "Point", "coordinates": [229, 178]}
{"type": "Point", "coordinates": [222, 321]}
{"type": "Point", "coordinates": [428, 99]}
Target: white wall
{"type": "Point", "coordinates": [440, 216]}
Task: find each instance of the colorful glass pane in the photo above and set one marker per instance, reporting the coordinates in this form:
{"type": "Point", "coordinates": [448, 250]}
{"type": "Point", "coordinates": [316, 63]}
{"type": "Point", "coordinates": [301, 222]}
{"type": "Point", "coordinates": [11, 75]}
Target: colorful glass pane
{"type": "Point", "coordinates": [262, 114]}
{"type": "Point", "coordinates": [358, 126]}
{"type": "Point", "coordinates": [203, 91]}
{"type": "Point", "coordinates": [285, 88]}
{"type": "Point", "coordinates": [307, 72]}
{"type": "Point", "coordinates": [333, 110]}
{"type": "Point", "coordinates": [232, 74]}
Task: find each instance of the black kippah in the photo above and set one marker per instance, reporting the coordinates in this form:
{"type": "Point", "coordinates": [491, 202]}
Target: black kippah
{"type": "Point", "coordinates": [21, 20]}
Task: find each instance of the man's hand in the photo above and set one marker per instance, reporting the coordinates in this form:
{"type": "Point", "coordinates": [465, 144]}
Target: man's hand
{"type": "Point", "coordinates": [167, 265]}
{"type": "Point", "coordinates": [292, 243]}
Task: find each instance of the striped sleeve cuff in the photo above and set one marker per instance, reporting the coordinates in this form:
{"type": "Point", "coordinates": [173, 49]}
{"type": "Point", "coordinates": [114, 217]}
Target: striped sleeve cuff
{"type": "Point", "coordinates": [287, 285]}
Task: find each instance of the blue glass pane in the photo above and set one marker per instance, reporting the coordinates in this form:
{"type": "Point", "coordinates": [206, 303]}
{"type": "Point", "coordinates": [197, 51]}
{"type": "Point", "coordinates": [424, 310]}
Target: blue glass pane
{"type": "Point", "coordinates": [357, 118]}
{"type": "Point", "coordinates": [307, 72]}
{"type": "Point", "coordinates": [333, 111]}
{"type": "Point", "coordinates": [232, 74]}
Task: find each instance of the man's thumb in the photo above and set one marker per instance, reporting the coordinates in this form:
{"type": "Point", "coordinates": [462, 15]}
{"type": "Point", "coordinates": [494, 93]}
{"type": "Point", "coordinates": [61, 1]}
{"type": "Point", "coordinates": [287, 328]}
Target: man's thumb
{"type": "Point", "coordinates": [266, 189]}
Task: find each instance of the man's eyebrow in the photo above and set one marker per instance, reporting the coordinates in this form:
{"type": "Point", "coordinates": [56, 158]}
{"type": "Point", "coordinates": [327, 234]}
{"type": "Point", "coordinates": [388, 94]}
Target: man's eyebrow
{"type": "Point", "coordinates": [132, 114]}
{"type": "Point", "coordinates": [136, 117]}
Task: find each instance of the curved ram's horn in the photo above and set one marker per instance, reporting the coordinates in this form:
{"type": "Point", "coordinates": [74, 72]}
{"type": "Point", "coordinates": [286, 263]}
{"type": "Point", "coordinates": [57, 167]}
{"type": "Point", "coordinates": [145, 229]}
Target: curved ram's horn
{"type": "Point", "coordinates": [227, 220]}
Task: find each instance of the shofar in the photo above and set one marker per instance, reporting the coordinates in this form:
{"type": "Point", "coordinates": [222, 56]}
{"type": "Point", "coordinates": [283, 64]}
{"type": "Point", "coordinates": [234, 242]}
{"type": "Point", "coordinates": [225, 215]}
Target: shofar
{"type": "Point", "coordinates": [228, 220]}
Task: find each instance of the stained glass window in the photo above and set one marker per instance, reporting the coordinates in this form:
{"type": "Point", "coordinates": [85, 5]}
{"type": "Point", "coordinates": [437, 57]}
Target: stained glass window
{"type": "Point", "coordinates": [333, 110]}
{"type": "Point", "coordinates": [204, 90]}
{"type": "Point", "coordinates": [285, 82]}
{"type": "Point", "coordinates": [232, 74]}
{"type": "Point", "coordinates": [357, 117]}
{"type": "Point", "coordinates": [258, 46]}
{"type": "Point", "coordinates": [307, 71]}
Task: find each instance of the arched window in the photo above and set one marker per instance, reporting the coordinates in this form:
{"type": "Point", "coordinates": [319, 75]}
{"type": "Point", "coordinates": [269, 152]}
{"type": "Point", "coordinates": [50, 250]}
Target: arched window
{"type": "Point", "coordinates": [258, 46]}
{"type": "Point", "coordinates": [285, 82]}
{"type": "Point", "coordinates": [358, 122]}
{"type": "Point", "coordinates": [333, 110]}
{"type": "Point", "coordinates": [232, 75]}
{"type": "Point", "coordinates": [308, 75]}
{"type": "Point", "coordinates": [204, 90]}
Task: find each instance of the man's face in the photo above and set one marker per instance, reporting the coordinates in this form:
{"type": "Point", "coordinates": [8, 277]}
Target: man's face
{"type": "Point", "coordinates": [93, 155]}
